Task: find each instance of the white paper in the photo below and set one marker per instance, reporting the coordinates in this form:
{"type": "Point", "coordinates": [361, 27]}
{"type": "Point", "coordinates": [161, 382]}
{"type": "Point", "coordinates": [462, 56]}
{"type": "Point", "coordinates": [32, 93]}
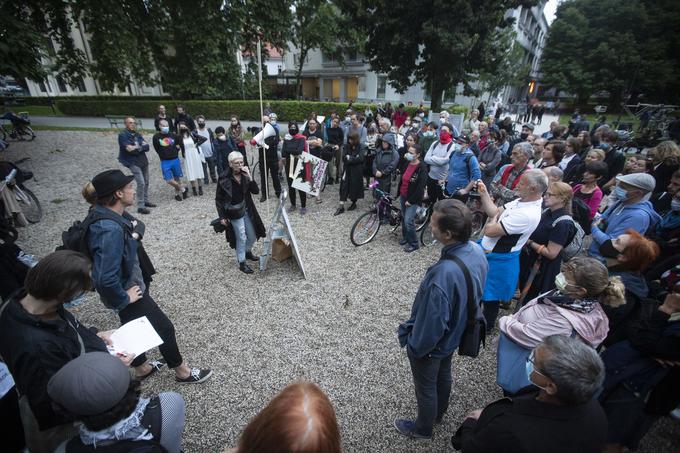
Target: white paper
{"type": "Point", "coordinates": [6, 381]}
{"type": "Point", "coordinates": [136, 337]}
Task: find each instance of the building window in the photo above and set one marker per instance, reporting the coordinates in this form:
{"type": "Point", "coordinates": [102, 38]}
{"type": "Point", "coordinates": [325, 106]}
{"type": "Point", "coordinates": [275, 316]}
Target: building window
{"type": "Point", "coordinates": [62, 85]}
{"type": "Point", "coordinates": [80, 85]}
{"type": "Point", "coordinates": [328, 58]}
{"type": "Point", "coordinates": [382, 86]}
{"type": "Point", "coordinates": [362, 84]}
{"type": "Point", "coordinates": [352, 55]}
{"type": "Point", "coordinates": [41, 85]}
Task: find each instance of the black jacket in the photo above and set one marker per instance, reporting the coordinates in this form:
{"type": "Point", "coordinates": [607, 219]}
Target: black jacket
{"type": "Point", "coordinates": [416, 185]}
{"type": "Point", "coordinates": [223, 196]}
{"type": "Point", "coordinates": [525, 425]}
{"type": "Point", "coordinates": [157, 120]}
{"type": "Point", "coordinates": [169, 148]}
{"type": "Point", "coordinates": [186, 119]}
{"type": "Point", "coordinates": [35, 349]}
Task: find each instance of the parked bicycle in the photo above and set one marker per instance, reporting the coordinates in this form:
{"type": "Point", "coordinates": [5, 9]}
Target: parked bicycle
{"type": "Point", "coordinates": [368, 224]}
{"type": "Point", "coordinates": [27, 204]}
{"type": "Point", "coordinates": [19, 127]}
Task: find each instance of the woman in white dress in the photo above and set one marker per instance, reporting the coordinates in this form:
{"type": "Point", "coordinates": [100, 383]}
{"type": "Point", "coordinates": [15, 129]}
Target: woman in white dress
{"type": "Point", "coordinates": [193, 158]}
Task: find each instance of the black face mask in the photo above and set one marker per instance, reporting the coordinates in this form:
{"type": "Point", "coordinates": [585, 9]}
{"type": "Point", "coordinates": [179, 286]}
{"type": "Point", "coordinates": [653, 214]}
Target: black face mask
{"type": "Point", "coordinates": [608, 251]}
{"type": "Point", "coordinates": [293, 130]}
{"type": "Point", "coordinates": [201, 124]}
{"type": "Point", "coordinates": [523, 136]}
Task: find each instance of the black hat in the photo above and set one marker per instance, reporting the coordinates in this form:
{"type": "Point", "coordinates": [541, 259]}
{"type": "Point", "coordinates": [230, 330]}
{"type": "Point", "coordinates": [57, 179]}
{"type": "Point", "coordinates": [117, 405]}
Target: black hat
{"type": "Point", "coordinates": [90, 384]}
{"type": "Point", "coordinates": [107, 182]}
{"type": "Point", "coordinates": [462, 139]}
{"type": "Point", "coordinates": [219, 130]}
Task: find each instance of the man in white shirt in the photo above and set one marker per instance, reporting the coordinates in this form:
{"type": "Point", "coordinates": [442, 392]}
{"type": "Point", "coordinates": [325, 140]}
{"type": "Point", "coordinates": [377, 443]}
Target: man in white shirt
{"type": "Point", "coordinates": [505, 233]}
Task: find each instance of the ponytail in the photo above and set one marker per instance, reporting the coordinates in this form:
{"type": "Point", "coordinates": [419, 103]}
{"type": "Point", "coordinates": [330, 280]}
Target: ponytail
{"type": "Point", "coordinates": [614, 294]}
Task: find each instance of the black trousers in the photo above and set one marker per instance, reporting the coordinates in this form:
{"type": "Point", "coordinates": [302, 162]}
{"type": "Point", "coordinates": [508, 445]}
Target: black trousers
{"type": "Point", "coordinates": [434, 190]}
{"type": "Point", "coordinates": [146, 306]}
{"type": "Point", "coordinates": [273, 168]}
{"type": "Point", "coordinates": [291, 194]}
{"type": "Point", "coordinates": [209, 169]}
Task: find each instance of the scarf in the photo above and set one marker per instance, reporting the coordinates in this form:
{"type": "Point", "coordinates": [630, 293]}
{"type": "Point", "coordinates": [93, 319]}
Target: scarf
{"type": "Point", "coordinates": [569, 303]}
{"type": "Point", "coordinates": [129, 428]}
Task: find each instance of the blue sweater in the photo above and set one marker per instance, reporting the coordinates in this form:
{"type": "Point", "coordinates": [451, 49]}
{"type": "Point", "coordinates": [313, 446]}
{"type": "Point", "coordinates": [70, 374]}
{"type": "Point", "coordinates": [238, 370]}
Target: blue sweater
{"type": "Point", "coordinates": [439, 311]}
{"type": "Point", "coordinates": [639, 216]}
{"type": "Point", "coordinates": [462, 172]}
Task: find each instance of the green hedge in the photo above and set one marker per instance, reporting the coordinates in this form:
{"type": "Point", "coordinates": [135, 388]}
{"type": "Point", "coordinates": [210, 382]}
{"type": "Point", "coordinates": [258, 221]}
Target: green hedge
{"type": "Point", "coordinates": [246, 110]}
{"type": "Point", "coordinates": [44, 100]}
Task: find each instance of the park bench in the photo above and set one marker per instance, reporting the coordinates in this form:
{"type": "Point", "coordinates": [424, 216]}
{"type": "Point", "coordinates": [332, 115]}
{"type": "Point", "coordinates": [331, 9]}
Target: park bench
{"type": "Point", "coordinates": [118, 121]}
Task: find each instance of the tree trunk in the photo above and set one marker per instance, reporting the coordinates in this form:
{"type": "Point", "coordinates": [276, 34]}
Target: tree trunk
{"type": "Point", "coordinates": [437, 93]}
{"type": "Point", "coordinates": [298, 72]}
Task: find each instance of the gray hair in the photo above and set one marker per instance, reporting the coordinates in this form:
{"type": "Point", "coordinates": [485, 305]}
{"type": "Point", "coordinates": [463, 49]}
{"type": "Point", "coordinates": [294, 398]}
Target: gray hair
{"type": "Point", "coordinates": [538, 179]}
{"type": "Point", "coordinates": [526, 148]}
{"type": "Point", "coordinates": [554, 172]}
{"type": "Point", "coordinates": [385, 121]}
{"type": "Point", "coordinates": [234, 155]}
{"type": "Point", "coordinates": [574, 367]}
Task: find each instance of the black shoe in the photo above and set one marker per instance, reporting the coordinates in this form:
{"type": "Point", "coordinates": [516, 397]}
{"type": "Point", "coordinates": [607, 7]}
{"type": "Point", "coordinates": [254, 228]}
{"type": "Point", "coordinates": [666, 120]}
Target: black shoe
{"type": "Point", "coordinates": [178, 197]}
{"type": "Point", "coordinates": [245, 268]}
{"type": "Point", "coordinates": [195, 377]}
{"type": "Point", "coordinates": [185, 193]}
{"type": "Point", "coordinates": [251, 257]}
{"type": "Point", "coordinates": [206, 182]}
{"type": "Point", "coordinates": [263, 199]}
{"type": "Point", "coordinates": [330, 181]}
{"type": "Point", "coordinates": [200, 190]}
{"type": "Point", "coordinates": [214, 181]}
{"type": "Point", "coordinates": [150, 205]}
{"type": "Point", "coordinates": [339, 211]}
{"type": "Point", "coordinates": [193, 190]}
{"type": "Point", "coordinates": [352, 207]}
{"type": "Point", "coordinates": [143, 211]}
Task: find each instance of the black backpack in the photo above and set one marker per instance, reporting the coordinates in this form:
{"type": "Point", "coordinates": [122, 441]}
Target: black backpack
{"type": "Point", "coordinates": [75, 238]}
{"type": "Point", "coordinates": [581, 214]}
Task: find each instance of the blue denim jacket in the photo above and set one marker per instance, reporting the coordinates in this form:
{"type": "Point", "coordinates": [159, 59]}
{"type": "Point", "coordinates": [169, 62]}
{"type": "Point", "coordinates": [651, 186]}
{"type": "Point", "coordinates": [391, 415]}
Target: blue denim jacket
{"type": "Point", "coordinates": [115, 267]}
{"type": "Point", "coordinates": [128, 158]}
{"type": "Point", "coordinates": [459, 174]}
{"type": "Point", "coordinates": [439, 312]}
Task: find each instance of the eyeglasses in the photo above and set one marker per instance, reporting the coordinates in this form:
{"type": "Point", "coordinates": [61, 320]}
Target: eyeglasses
{"type": "Point", "coordinates": [237, 162]}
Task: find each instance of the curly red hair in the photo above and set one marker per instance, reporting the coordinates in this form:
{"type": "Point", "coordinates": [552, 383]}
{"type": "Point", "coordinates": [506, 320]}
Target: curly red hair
{"type": "Point", "coordinates": [640, 252]}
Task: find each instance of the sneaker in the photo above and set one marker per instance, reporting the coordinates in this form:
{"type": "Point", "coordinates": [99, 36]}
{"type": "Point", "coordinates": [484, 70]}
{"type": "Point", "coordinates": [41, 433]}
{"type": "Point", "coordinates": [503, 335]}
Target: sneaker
{"type": "Point", "coordinates": [143, 211]}
{"type": "Point", "coordinates": [156, 365]}
{"type": "Point", "coordinates": [150, 205]}
{"type": "Point", "coordinates": [408, 428]}
{"type": "Point", "coordinates": [409, 248]}
{"type": "Point", "coordinates": [185, 193]}
{"type": "Point", "coordinates": [178, 197]}
{"type": "Point", "coordinates": [195, 377]}
{"type": "Point", "coordinates": [303, 211]}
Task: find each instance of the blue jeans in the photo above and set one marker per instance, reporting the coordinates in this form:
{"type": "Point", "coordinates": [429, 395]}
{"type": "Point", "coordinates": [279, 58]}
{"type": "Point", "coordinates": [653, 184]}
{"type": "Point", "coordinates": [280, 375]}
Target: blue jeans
{"type": "Point", "coordinates": [408, 225]}
{"type": "Point", "coordinates": [432, 380]}
{"type": "Point", "coordinates": [245, 236]}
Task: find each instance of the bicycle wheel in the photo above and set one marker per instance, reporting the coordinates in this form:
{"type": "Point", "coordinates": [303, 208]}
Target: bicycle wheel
{"type": "Point", "coordinates": [426, 237]}
{"type": "Point", "coordinates": [365, 228]}
{"type": "Point", "coordinates": [424, 218]}
{"type": "Point", "coordinates": [27, 133]}
{"type": "Point", "coordinates": [30, 206]}
{"type": "Point", "coordinates": [478, 222]}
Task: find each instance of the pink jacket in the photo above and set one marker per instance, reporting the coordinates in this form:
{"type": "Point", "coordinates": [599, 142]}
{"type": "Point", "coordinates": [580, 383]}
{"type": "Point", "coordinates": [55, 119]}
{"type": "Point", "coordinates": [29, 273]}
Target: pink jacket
{"type": "Point", "coordinates": [535, 321]}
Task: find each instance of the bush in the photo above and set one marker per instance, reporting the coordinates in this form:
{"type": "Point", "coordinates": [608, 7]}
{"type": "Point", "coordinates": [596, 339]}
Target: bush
{"type": "Point", "coordinates": [44, 100]}
{"type": "Point", "coordinates": [245, 110]}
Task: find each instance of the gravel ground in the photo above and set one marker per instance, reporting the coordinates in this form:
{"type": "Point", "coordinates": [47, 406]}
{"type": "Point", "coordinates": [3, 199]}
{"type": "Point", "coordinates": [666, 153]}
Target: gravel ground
{"type": "Point", "coordinates": [260, 332]}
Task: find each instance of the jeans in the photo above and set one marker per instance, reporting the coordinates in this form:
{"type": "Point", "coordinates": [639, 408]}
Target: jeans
{"type": "Point", "coordinates": [432, 381]}
{"type": "Point", "coordinates": [245, 236]}
{"type": "Point", "coordinates": [141, 175]}
{"type": "Point", "coordinates": [408, 224]}
{"type": "Point", "coordinates": [146, 306]}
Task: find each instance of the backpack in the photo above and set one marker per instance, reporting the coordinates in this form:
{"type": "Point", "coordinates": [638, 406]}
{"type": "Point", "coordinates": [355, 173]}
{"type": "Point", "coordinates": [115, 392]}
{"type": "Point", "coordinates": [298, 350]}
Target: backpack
{"type": "Point", "coordinates": [75, 238]}
{"type": "Point", "coordinates": [581, 214]}
{"type": "Point", "coordinates": [575, 244]}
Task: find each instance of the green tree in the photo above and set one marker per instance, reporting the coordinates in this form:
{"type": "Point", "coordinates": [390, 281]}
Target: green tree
{"type": "Point", "coordinates": [619, 46]}
{"type": "Point", "coordinates": [505, 67]}
{"type": "Point", "coordinates": [441, 43]}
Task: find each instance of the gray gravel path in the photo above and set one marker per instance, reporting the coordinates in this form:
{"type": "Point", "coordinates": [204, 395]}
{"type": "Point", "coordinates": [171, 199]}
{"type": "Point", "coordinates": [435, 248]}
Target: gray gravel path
{"type": "Point", "coordinates": [260, 332]}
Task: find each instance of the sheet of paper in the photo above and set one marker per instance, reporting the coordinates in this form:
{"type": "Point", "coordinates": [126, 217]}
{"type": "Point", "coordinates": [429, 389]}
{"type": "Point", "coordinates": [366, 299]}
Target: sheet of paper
{"type": "Point", "coordinates": [135, 337]}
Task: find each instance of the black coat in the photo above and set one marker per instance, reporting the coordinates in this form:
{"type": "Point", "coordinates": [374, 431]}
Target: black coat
{"type": "Point", "coordinates": [223, 197]}
{"type": "Point", "coordinates": [34, 349]}
{"type": "Point", "coordinates": [416, 185]}
{"type": "Point", "coordinates": [352, 181]}
{"type": "Point", "coordinates": [525, 425]}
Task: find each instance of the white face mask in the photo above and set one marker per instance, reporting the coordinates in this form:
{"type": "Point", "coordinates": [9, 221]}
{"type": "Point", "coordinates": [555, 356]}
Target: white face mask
{"type": "Point", "coordinates": [675, 204]}
{"type": "Point", "coordinates": [222, 137]}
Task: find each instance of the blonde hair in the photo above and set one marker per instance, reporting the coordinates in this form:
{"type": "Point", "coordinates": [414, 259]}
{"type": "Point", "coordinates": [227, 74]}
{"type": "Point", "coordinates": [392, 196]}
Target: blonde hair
{"type": "Point", "coordinates": [564, 192]}
{"type": "Point", "coordinates": [593, 276]}
{"type": "Point", "coordinates": [598, 152]}
{"type": "Point", "coordinates": [666, 149]}
{"type": "Point", "coordinates": [89, 194]}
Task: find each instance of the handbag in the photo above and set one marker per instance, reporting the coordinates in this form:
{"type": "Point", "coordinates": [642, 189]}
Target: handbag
{"type": "Point", "coordinates": [235, 211]}
{"type": "Point", "coordinates": [511, 374]}
{"type": "Point", "coordinates": [475, 326]}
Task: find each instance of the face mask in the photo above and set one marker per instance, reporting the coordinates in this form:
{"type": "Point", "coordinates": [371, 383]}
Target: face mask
{"type": "Point", "coordinates": [272, 122]}
{"type": "Point", "coordinates": [620, 193]}
{"type": "Point", "coordinates": [407, 123]}
{"type": "Point", "coordinates": [201, 124]}
{"type": "Point", "coordinates": [165, 130]}
{"type": "Point", "coordinates": [293, 130]}
{"type": "Point", "coordinates": [409, 157]}
{"type": "Point", "coordinates": [530, 370]}
{"type": "Point", "coordinates": [222, 138]}
{"type": "Point", "coordinates": [561, 282]}
{"type": "Point", "coordinates": [422, 115]}
{"type": "Point", "coordinates": [429, 134]}
{"type": "Point", "coordinates": [675, 204]}
{"type": "Point", "coordinates": [608, 250]}
{"type": "Point", "coordinates": [445, 137]}
{"type": "Point", "coordinates": [183, 129]}
{"type": "Point", "coordinates": [347, 118]}
{"type": "Point", "coordinates": [75, 301]}
{"type": "Point", "coordinates": [523, 136]}
{"type": "Point", "coordinates": [605, 146]}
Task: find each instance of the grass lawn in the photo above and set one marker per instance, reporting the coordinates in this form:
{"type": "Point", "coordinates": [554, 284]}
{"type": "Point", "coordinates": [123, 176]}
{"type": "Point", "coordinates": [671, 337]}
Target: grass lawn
{"type": "Point", "coordinates": [35, 110]}
{"type": "Point", "coordinates": [42, 127]}
{"type": "Point", "coordinates": [611, 118]}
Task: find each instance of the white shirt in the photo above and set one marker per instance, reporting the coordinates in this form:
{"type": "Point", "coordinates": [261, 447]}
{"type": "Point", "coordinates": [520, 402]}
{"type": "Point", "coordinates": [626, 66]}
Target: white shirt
{"type": "Point", "coordinates": [565, 161]}
{"type": "Point", "coordinates": [518, 220]}
{"type": "Point", "coordinates": [206, 147]}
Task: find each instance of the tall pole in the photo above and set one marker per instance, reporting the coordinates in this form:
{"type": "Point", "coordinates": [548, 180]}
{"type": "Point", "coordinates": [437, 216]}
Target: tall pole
{"type": "Point", "coordinates": [264, 151]}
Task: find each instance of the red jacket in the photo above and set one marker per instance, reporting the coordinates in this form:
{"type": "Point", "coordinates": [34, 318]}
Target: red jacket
{"type": "Point", "coordinates": [398, 118]}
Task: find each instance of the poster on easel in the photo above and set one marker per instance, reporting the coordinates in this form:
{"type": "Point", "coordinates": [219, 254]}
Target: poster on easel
{"type": "Point", "coordinates": [309, 173]}
{"type": "Point", "coordinates": [280, 228]}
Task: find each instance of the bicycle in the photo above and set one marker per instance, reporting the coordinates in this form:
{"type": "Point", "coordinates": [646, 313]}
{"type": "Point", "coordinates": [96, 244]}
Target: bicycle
{"type": "Point", "coordinates": [366, 227]}
{"type": "Point", "coordinates": [20, 130]}
{"type": "Point", "coordinates": [27, 201]}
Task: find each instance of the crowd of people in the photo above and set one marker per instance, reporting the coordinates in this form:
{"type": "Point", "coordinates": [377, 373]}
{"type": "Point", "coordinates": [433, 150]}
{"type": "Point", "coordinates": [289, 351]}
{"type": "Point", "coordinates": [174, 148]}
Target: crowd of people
{"type": "Point", "coordinates": [580, 239]}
